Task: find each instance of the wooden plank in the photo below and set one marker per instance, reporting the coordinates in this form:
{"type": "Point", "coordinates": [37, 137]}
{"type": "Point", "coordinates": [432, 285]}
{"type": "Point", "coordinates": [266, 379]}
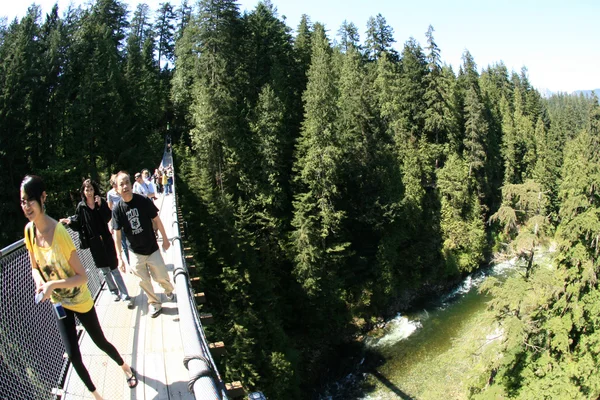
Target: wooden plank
{"type": "Point", "coordinates": [217, 349]}
{"type": "Point", "coordinates": [235, 389]}
{"type": "Point", "coordinates": [200, 297]}
{"type": "Point", "coordinates": [206, 318]}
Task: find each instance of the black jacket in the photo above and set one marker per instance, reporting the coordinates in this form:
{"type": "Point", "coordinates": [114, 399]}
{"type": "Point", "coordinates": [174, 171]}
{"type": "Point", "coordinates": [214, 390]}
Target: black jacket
{"type": "Point", "coordinates": [94, 234]}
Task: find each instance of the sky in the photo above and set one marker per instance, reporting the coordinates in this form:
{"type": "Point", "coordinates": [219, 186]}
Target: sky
{"type": "Point", "coordinates": [557, 41]}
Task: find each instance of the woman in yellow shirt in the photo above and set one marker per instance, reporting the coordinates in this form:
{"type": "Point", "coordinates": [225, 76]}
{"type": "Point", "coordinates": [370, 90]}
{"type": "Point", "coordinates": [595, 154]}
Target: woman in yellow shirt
{"type": "Point", "coordinates": [60, 277]}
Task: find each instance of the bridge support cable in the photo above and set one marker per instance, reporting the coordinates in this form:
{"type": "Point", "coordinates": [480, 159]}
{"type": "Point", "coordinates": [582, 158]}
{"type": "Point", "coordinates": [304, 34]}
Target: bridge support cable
{"type": "Point", "coordinates": [205, 381]}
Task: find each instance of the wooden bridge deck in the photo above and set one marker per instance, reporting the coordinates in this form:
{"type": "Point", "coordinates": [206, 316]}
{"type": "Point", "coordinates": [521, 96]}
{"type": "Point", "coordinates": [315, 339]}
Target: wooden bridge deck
{"type": "Point", "coordinates": [151, 345]}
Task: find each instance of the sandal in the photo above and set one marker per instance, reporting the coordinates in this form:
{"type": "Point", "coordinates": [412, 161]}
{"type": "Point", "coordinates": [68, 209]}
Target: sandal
{"type": "Point", "coordinates": [132, 381]}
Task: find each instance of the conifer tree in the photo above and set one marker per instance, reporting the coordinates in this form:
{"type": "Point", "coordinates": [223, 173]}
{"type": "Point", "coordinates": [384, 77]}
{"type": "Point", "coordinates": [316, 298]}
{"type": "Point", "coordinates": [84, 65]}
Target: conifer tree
{"type": "Point", "coordinates": [379, 38]}
{"type": "Point", "coordinates": [113, 14]}
{"type": "Point", "coordinates": [165, 32]}
{"type": "Point", "coordinates": [524, 137]}
{"type": "Point", "coordinates": [215, 131]}
{"type": "Point", "coordinates": [417, 159]}
{"type": "Point", "coordinates": [455, 119]}
{"type": "Point", "coordinates": [546, 170]}
{"type": "Point", "coordinates": [270, 60]}
{"type": "Point", "coordinates": [509, 142]}
{"type": "Point", "coordinates": [385, 92]}
{"type": "Point", "coordinates": [186, 71]}
{"type": "Point", "coordinates": [95, 73]}
{"type": "Point", "coordinates": [462, 227]}
{"type": "Point", "coordinates": [303, 50]}
{"type": "Point", "coordinates": [19, 149]}
{"type": "Point", "coordinates": [318, 241]}
{"type": "Point", "coordinates": [476, 128]}
{"type": "Point", "coordinates": [494, 86]}
{"type": "Point", "coordinates": [369, 191]}
{"type": "Point", "coordinates": [141, 26]}
{"type": "Point", "coordinates": [439, 120]}
{"type": "Point", "coordinates": [524, 218]}
{"type": "Point", "coordinates": [349, 37]}
{"type": "Point", "coordinates": [549, 347]}
{"type": "Point", "coordinates": [475, 135]}
{"type": "Point", "coordinates": [315, 215]}
{"type": "Point", "coordinates": [183, 15]}
{"type": "Point", "coordinates": [411, 91]}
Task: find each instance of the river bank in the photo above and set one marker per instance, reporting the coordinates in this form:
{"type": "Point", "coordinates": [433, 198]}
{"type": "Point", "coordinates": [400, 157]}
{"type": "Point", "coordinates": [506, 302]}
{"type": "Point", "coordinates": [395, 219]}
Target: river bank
{"type": "Point", "coordinates": [437, 349]}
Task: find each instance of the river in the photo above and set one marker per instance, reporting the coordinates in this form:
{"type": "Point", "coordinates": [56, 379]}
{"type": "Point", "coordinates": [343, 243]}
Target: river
{"type": "Point", "coordinates": [436, 352]}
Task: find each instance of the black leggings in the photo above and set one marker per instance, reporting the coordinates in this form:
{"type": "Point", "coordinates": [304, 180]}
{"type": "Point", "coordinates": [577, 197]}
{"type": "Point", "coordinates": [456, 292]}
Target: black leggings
{"type": "Point", "coordinates": [89, 320]}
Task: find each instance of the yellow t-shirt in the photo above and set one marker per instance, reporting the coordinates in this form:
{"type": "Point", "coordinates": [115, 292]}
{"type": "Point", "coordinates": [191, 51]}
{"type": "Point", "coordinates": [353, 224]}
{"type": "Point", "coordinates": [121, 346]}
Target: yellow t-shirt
{"type": "Point", "coordinates": [53, 264]}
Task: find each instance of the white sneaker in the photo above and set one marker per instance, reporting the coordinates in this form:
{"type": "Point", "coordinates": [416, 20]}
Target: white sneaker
{"type": "Point", "coordinates": [154, 310]}
{"type": "Point", "coordinates": [170, 296]}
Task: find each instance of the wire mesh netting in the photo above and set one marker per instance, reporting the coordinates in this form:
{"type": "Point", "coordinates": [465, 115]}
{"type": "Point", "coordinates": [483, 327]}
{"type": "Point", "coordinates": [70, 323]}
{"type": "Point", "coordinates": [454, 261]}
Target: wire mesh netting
{"type": "Point", "coordinates": [32, 361]}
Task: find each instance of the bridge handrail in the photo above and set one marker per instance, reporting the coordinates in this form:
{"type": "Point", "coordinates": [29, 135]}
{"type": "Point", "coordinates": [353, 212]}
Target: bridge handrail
{"type": "Point", "coordinates": [32, 366]}
{"type": "Point", "coordinates": [205, 380]}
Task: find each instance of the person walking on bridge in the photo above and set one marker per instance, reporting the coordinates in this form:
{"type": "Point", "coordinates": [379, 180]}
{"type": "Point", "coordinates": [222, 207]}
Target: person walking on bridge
{"type": "Point", "coordinates": [91, 221]}
{"type": "Point", "coordinates": [149, 185]}
{"type": "Point", "coordinates": [133, 216]}
{"type": "Point", "coordinates": [139, 185]}
{"type": "Point", "coordinates": [59, 276]}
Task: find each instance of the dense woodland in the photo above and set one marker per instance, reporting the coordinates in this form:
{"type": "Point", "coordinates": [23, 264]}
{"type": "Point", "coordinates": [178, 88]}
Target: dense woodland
{"type": "Point", "coordinates": [323, 176]}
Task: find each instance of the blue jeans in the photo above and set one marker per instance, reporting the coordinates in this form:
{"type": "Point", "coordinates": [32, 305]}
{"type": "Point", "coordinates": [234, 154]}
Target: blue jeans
{"type": "Point", "coordinates": [115, 282]}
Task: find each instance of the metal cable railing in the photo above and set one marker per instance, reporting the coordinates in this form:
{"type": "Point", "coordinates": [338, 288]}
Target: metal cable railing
{"type": "Point", "coordinates": [205, 380]}
{"type": "Point", "coordinates": [32, 362]}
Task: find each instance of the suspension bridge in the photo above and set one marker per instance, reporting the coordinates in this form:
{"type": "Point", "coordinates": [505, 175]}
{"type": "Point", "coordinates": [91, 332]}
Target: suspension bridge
{"type": "Point", "coordinates": [171, 354]}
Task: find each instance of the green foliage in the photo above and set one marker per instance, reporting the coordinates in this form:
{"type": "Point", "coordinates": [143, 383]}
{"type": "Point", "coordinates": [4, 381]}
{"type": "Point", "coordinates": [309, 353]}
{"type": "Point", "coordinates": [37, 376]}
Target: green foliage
{"type": "Point", "coordinates": [316, 218]}
{"type": "Point", "coordinates": [552, 353]}
{"type": "Point", "coordinates": [461, 223]}
{"type": "Point", "coordinates": [321, 182]}
{"type": "Point", "coordinates": [379, 38]}
{"type": "Point", "coordinates": [66, 113]}
{"type": "Point", "coordinates": [349, 37]}
{"type": "Point", "coordinates": [439, 120]}
{"type": "Point", "coordinates": [165, 30]}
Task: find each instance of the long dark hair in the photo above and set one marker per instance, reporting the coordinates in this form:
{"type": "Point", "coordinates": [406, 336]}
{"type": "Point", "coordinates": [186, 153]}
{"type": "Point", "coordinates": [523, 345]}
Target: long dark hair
{"type": "Point", "coordinates": [33, 186]}
{"type": "Point", "coordinates": [93, 184]}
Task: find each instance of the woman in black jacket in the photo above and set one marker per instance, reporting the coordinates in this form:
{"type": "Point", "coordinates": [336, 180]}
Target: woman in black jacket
{"type": "Point", "coordinates": [91, 221]}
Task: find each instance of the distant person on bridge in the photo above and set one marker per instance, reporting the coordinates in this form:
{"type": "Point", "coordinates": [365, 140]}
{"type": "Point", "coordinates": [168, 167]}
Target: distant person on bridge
{"type": "Point", "coordinates": [59, 276]}
{"type": "Point", "coordinates": [149, 185]}
{"type": "Point", "coordinates": [134, 216]}
{"type": "Point", "coordinates": [139, 185]}
{"type": "Point", "coordinates": [169, 173]}
{"type": "Point", "coordinates": [164, 180]}
{"type": "Point", "coordinates": [91, 221]}
{"type": "Point", "coordinates": [158, 180]}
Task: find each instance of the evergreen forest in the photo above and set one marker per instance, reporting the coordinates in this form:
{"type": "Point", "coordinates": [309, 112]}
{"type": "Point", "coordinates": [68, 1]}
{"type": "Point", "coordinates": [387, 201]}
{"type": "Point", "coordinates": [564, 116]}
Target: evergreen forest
{"type": "Point", "coordinates": [326, 178]}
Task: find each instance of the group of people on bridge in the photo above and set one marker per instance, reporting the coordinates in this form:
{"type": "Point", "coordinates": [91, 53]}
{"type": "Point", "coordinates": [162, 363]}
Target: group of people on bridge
{"type": "Point", "coordinates": [124, 226]}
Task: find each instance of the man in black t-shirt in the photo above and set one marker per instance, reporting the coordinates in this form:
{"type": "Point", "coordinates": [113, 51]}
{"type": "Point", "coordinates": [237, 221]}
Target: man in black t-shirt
{"type": "Point", "coordinates": [134, 215]}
